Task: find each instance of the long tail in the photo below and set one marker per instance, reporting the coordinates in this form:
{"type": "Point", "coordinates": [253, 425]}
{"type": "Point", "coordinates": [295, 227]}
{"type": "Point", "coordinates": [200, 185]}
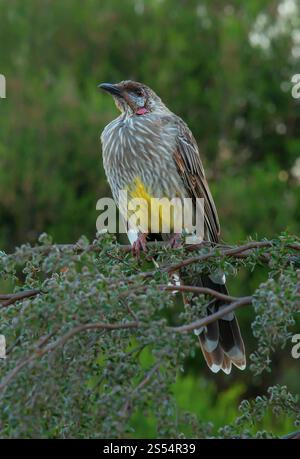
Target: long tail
{"type": "Point", "coordinates": [221, 341]}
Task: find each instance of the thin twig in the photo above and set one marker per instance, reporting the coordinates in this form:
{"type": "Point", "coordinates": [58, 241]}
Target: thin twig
{"type": "Point", "coordinates": [149, 375]}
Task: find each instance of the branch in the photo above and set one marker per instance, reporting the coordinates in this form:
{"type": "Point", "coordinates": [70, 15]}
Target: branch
{"type": "Point", "coordinates": [191, 247]}
{"type": "Point", "coordinates": [198, 291]}
{"type": "Point", "coordinates": [245, 249]}
{"type": "Point", "coordinates": [242, 251]}
{"type": "Point", "coordinates": [292, 436]}
{"type": "Point", "coordinates": [40, 352]}
{"type": "Point", "coordinates": [218, 250]}
{"type": "Point", "coordinates": [126, 248]}
{"type": "Point", "coordinates": [213, 317]}
{"type": "Point", "coordinates": [14, 297]}
{"type": "Point", "coordinates": [140, 386]}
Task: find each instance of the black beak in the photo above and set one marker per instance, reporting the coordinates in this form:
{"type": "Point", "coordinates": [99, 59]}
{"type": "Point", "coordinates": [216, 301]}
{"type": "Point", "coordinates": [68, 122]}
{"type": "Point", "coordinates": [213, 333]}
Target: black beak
{"type": "Point", "coordinates": [111, 88]}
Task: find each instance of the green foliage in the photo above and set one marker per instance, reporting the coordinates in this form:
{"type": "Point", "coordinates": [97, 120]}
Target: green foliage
{"type": "Point", "coordinates": [93, 352]}
{"type": "Point", "coordinates": [278, 403]}
{"type": "Point", "coordinates": [274, 316]}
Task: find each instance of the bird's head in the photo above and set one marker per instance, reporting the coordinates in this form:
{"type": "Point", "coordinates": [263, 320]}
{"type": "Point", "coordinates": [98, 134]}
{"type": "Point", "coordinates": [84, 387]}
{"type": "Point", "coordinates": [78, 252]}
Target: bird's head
{"type": "Point", "coordinates": [133, 98]}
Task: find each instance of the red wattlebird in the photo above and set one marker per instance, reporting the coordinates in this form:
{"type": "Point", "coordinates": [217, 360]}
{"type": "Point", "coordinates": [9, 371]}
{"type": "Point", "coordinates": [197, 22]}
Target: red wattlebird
{"type": "Point", "coordinates": [151, 153]}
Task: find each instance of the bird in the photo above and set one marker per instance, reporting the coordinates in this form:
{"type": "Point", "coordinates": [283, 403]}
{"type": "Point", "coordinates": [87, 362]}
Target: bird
{"type": "Point", "coordinates": [151, 153]}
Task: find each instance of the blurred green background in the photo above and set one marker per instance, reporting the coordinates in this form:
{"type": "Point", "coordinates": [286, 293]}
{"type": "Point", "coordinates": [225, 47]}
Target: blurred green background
{"type": "Point", "coordinates": [224, 66]}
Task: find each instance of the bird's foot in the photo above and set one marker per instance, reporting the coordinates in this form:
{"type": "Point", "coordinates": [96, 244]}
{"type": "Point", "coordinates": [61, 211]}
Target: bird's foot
{"type": "Point", "coordinates": [139, 244]}
{"type": "Point", "coordinates": [175, 240]}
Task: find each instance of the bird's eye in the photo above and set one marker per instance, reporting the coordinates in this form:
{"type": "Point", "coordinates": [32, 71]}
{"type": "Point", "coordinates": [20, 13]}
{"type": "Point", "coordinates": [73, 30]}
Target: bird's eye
{"type": "Point", "coordinates": [139, 92]}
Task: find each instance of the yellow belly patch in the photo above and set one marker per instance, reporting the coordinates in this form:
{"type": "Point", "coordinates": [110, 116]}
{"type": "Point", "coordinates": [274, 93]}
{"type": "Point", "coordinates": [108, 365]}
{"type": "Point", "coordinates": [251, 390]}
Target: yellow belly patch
{"type": "Point", "coordinates": [139, 191]}
{"type": "Point", "coordinates": [152, 214]}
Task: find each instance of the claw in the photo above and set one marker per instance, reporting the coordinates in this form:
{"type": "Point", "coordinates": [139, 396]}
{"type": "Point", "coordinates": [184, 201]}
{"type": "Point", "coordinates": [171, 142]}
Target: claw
{"type": "Point", "coordinates": [139, 244]}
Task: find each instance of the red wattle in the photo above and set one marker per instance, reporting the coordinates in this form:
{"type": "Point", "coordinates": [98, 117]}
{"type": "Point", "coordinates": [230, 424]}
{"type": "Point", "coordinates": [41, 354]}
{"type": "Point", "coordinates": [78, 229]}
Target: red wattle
{"type": "Point", "coordinates": [141, 111]}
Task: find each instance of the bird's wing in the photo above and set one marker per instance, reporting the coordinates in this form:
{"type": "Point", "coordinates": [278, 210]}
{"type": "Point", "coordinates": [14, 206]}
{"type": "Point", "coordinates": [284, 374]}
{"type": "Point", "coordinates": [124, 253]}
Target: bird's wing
{"type": "Point", "coordinates": [190, 169]}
